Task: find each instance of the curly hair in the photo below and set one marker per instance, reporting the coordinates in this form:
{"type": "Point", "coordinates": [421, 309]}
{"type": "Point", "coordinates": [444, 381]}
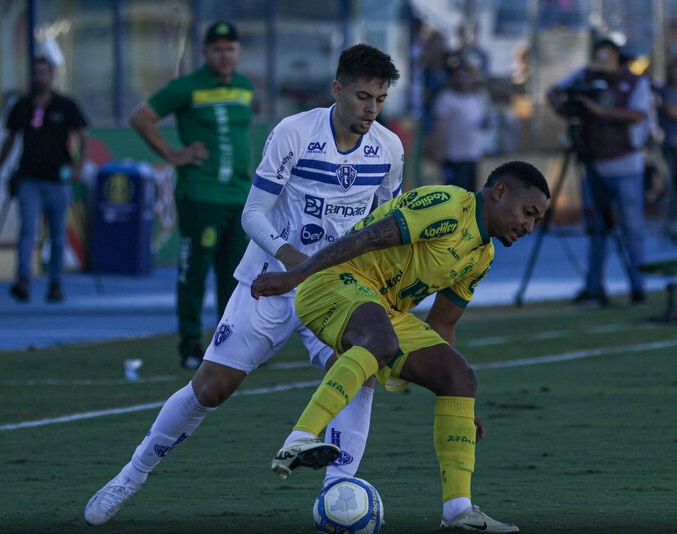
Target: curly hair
{"type": "Point", "coordinates": [522, 171]}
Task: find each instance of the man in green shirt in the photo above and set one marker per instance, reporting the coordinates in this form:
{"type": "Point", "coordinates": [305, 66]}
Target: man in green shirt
{"type": "Point", "coordinates": [212, 107]}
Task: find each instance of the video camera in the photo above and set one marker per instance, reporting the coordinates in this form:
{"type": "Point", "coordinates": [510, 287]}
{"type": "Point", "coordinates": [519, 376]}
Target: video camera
{"type": "Point", "coordinates": [573, 107]}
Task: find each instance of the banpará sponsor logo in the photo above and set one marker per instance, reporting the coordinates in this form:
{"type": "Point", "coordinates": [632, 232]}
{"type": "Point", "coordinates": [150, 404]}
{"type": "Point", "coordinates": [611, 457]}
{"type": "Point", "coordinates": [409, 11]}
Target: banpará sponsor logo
{"type": "Point", "coordinates": [318, 207]}
{"type": "Point", "coordinates": [314, 206]}
{"type": "Point", "coordinates": [345, 211]}
{"type": "Point", "coordinates": [429, 200]}
{"type": "Point", "coordinates": [283, 163]}
{"type": "Point", "coordinates": [439, 228]}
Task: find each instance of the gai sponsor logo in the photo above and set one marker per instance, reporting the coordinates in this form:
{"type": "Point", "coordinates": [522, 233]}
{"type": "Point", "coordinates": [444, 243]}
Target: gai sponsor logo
{"type": "Point", "coordinates": [316, 147]}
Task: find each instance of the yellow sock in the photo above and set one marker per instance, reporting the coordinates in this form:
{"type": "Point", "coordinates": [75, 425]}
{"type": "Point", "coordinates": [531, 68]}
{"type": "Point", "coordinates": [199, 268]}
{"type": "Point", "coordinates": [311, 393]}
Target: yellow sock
{"type": "Point", "coordinates": [340, 385]}
{"type": "Point", "coordinates": [454, 433]}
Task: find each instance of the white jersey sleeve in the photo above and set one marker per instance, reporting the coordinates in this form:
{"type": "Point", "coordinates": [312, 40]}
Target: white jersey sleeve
{"type": "Point", "coordinates": [255, 220]}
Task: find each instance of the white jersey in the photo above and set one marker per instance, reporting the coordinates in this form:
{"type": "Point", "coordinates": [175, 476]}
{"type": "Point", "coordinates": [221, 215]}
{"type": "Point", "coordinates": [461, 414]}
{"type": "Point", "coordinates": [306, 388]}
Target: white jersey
{"type": "Point", "coordinates": [321, 191]}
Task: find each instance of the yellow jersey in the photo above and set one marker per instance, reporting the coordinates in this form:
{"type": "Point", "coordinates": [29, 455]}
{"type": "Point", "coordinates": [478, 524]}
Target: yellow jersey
{"type": "Point", "coordinates": [445, 247]}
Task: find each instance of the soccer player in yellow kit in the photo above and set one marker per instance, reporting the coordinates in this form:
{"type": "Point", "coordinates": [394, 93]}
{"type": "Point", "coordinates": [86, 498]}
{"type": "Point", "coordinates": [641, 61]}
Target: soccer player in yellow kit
{"type": "Point", "coordinates": [355, 295]}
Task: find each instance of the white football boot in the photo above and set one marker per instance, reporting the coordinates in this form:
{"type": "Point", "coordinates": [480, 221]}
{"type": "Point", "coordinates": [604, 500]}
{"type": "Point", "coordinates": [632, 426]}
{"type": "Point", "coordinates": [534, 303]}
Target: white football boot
{"type": "Point", "coordinates": [313, 453]}
{"type": "Point", "coordinates": [473, 520]}
{"type": "Point", "coordinates": [106, 502]}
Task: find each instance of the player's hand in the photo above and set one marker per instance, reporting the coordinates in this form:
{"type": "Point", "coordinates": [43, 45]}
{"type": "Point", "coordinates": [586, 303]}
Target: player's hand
{"type": "Point", "coordinates": [277, 283]}
{"type": "Point", "coordinates": [290, 257]}
{"type": "Point", "coordinates": [193, 154]}
{"type": "Point", "coordinates": [481, 430]}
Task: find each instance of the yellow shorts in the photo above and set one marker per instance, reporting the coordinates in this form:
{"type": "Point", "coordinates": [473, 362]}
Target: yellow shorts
{"type": "Point", "coordinates": [326, 300]}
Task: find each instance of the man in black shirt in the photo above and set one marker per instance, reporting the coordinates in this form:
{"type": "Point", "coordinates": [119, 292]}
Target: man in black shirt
{"type": "Point", "coordinates": [53, 129]}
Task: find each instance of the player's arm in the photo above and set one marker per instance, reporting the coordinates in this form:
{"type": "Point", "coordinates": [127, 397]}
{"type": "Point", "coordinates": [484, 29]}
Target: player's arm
{"type": "Point", "coordinates": [144, 120]}
{"type": "Point", "coordinates": [7, 145]}
{"type": "Point", "coordinates": [381, 234]}
{"type": "Point", "coordinates": [257, 226]}
{"type": "Point", "coordinates": [443, 316]}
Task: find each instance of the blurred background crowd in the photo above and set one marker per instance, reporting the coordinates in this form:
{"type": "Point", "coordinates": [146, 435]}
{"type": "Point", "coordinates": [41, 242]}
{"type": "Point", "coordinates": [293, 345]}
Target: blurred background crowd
{"type": "Point", "coordinates": [502, 56]}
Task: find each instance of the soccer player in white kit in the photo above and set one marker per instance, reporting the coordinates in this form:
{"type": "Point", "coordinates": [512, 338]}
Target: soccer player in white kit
{"type": "Point", "coordinates": [320, 173]}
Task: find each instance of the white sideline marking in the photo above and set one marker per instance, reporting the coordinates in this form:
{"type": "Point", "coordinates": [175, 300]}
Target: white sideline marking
{"type": "Point", "coordinates": [87, 382]}
{"type": "Point", "coordinates": [142, 407]}
{"type": "Point", "coordinates": [553, 358]}
{"type": "Point", "coordinates": [577, 355]}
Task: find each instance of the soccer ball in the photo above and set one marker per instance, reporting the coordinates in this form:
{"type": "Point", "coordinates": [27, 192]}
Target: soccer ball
{"type": "Point", "coordinates": [348, 506]}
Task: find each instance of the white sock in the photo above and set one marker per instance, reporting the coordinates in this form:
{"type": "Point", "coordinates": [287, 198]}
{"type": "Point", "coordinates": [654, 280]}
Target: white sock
{"type": "Point", "coordinates": [298, 434]}
{"type": "Point", "coordinates": [133, 477]}
{"type": "Point", "coordinates": [181, 414]}
{"type": "Point", "coordinates": [453, 507]}
{"type": "Point", "coordinates": [349, 430]}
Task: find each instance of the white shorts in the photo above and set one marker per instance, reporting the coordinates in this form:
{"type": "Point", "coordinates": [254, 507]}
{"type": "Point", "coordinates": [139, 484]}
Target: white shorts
{"type": "Point", "coordinates": [251, 331]}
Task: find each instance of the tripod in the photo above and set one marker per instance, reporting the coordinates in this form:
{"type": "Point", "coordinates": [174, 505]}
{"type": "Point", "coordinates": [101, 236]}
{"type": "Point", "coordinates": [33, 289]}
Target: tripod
{"type": "Point", "coordinates": [569, 154]}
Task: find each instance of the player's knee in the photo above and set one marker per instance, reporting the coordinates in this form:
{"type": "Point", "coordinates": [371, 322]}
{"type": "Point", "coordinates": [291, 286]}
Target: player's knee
{"type": "Point", "coordinates": [210, 395]}
{"type": "Point", "coordinates": [384, 349]}
{"type": "Point", "coordinates": [456, 378]}
{"type": "Point", "coordinates": [213, 384]}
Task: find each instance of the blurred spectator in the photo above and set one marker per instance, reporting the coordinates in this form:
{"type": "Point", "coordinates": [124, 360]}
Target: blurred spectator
{"type": "Point", "coordinates": [470, 52]}
{"type": "Point", "coordinates": [212, 106]}
{"type": "Point", "coordinates": [53, 130]}
{"type": "Point", "coordinates": [667, 117]}
{"type": "Point", "coordinates": [460, 116]}
{"type": "Point", "coordinates": [433, 60]}
{"type": "Point", "coordinates": [612, 106]}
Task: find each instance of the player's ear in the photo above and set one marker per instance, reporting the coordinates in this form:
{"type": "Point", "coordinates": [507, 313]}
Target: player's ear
{"type": "Point", "coordinates": [336, 89]}
{"type": "Point", "coordinates": [499, 190]}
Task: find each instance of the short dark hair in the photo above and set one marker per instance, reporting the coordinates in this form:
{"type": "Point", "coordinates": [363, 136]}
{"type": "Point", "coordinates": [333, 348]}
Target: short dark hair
{"type": "Point", "coordinates": [522, 171]}
{"type": "Point", "coordinates": [364, 62]}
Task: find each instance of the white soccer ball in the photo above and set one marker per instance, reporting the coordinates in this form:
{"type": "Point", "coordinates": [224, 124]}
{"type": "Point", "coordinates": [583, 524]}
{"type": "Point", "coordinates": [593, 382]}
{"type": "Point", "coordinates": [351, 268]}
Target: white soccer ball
{"type": "Point", "coordinates": [348, 506]}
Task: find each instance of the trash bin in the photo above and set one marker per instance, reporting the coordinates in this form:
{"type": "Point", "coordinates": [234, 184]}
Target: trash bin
{"type": "Point", "coordinates": [122, 222]}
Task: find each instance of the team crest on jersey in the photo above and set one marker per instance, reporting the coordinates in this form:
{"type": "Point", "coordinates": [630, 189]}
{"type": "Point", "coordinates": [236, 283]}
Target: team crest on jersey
{"type": "Point", "coordinates": [346, 174]}
{"type": "Point", "coordinates": [222, 334]}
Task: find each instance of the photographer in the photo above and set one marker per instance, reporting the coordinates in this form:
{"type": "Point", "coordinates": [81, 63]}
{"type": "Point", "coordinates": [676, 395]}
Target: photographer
{"type": "Point", "coordinates": [607, 107]}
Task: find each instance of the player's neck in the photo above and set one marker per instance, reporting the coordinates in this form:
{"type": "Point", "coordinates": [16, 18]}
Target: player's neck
{"type": "Point", "coordinates": [344, 138]}
{"type": "Point", "coordinates": [347, 141]}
